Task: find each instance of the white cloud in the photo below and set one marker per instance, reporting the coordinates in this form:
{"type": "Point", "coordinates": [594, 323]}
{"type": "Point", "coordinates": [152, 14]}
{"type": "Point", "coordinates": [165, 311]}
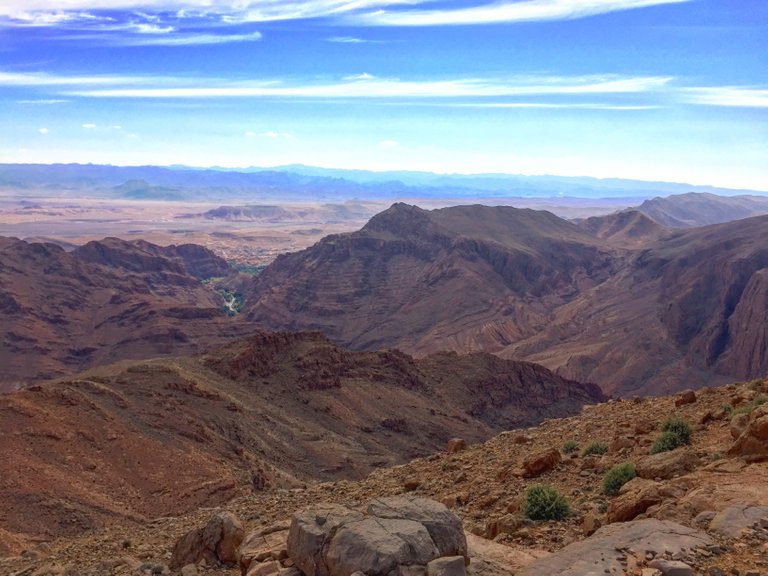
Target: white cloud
{"type": "Point", "coordinates": [42, 101]}
{"type": "Point", "coordinates": [146, 28]}
{"type": "Point", "coordinates": [365, 87]}
{"type": "Point", "coordinates": [43, 130]}
{"type": "Point", "coordinates": [89, 126]}
{"type": "Point", "coordinates": [372, 12]}
{"type": "Point", "coordinates": [363, 76]}
{"type": "Point", "coordinates": [389, 144]}
{"type": "Point", "coordinates": [43, 79]}
{"type": "Point", "coordinates": [728, 96]}
{"type": "Point", "coordinates": [351, 40]}
{"type": "Point", "coordinates": [496, 12]}
{"type": "Point", "coordinates": [250, 134]}
{"type": "Point", "coordinates": [185, 39]}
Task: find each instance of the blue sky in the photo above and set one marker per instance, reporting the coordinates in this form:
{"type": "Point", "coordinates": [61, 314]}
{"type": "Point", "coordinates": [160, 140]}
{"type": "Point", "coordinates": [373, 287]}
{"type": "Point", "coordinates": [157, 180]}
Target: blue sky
{"type": "Point", "coordinates": [673, 90]}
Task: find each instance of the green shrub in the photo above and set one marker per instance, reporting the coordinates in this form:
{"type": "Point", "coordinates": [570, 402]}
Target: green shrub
{"type": "Point", "coordinates": [595, 448]}
{"type": "Point", "coordinates": [545, 503]}
{"type": "Point", "coordinates": [617, 476]}
{"type": "Point", "coordinates": [569, 447]}
{"type": "Point", "coordinates": [756, 385]}
{"type": "Point", "coordinates": [665, 442]}
{"type": "Point", "coordinates": [727, 408]}
{"type": "Point", "coordinates": [679, 427]}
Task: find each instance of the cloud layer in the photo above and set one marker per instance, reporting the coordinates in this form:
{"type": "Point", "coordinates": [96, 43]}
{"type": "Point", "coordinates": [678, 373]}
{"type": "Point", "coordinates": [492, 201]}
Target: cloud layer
{"type": "Point", "coordinates": [366, 12]}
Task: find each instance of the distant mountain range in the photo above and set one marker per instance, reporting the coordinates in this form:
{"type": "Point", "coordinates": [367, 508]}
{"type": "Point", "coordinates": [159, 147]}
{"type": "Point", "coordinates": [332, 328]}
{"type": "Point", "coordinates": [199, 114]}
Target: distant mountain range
{"type": "Point", "coordinates": [619, 300]}
{"type": "Point", "coordinates": [295, 182]}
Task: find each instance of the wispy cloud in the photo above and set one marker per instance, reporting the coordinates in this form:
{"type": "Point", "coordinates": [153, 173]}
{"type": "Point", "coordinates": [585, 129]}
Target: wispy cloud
{"type": "Point", "coordinates": [497, 12]}
{"type": "Point", "coordinates": [89, 126]}
{"type": "Point", "coordinates": [367, 86]}
{"type": "Point", "coordinates": [728, 96]}
{"type": "Point", "coordinates": [183, 39]}
{"type": "Point", "coordinates": [351, 40]}
{"type": "Point", "coordinates": [44, 79]}
{"type": "Point", "coordinates": [44, 101]}
{"type": "Point", "coordinates": [43, 131]}
{"type": "Point", "coordinates": [368, 12]}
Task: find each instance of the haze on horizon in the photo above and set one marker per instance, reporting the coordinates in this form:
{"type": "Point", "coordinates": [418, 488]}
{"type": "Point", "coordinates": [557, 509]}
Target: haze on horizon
{"type": "Point", "coordinates": [665, 90]}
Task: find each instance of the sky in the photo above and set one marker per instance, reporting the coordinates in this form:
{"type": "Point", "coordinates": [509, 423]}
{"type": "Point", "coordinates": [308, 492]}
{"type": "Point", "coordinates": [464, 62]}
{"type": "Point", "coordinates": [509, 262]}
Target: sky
{"type": "Point", "coordinates": [667, 90]}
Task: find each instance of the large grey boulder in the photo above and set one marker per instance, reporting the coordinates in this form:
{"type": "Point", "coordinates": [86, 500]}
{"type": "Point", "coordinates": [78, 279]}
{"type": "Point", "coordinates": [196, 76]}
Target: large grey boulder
{"type": "Point", "coordinates": [311, 533]}
{"type": "Point", "coordinates": [378, 546]}
{"type": "Point", "coordinates": [443, 525]}
{"type": "Point", "coordinates": [397, 535]}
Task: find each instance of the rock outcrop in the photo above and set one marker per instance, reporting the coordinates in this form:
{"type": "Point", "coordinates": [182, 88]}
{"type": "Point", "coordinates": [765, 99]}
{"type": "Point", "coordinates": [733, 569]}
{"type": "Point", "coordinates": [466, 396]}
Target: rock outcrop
{"type": "Point", "coordinates": [215, 543]}
{"type": "Point", "coordinates": [752, 443]}
{"type": "Point", "coordinates": [331, 540]}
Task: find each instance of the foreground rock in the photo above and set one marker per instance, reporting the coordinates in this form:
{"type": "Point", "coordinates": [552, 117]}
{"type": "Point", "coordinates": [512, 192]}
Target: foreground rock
{"type": "Point", "coordinates": [215, 543]}
{"type": "Point", "coordinates": [752, 443]}
{"type": "Point", "coordinates": [397, 532]}
{"type": "Point", "coordinates": [599, 554]}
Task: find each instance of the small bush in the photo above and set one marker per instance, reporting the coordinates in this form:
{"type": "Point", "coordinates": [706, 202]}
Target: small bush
{"type": "Point", "coordinates": [617, 476]}
{"type": "Point", "coordinates": [679, 428]}
{"type": "Point", "coordinates": [569, 447]}
{"type": "Point", "coordinates": [595, 448]}
{"type": "Point", "coordinates": [545, 503]}
{"type": "Point", "coordinates": [756, 385]}
{"type": "Point", "coordinates": [665, 442]}
{"type": "Point", "coordinates": [728, 409]}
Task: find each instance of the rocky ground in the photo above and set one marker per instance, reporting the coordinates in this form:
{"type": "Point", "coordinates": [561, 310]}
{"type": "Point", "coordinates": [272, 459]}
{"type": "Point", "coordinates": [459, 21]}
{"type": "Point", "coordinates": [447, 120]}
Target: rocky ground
{"type": "Point", "coordinates": [711, 495]}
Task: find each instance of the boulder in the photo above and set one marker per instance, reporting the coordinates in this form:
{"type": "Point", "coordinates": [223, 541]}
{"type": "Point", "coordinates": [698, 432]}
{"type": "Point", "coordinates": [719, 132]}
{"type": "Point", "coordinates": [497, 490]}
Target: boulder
{"type": "Point", "coordinates": [310, 533]}
{"type": "Point", "coordinates": [456, 445]}
{"type": "Point", "coordinates": [667, 465]}
{"type": "Point", "coordinates": [731, 521]}
{"type": "Point", "coordinates": [634, 498]}
{"type": "Point", "coordinates": [752, 443]}
{"type": "Point", "coordinates": [671, 567]}
{"type": "Point", "coordinates": [378, 546]}
{"type": "Point", "coordinates": [738, 425]}
{"type": "Point", "coordinates": [685, 397]}
{"type": "Point", "coordinates": [540, 462]}
{"type": "Point", "coordinates": [260, 547]}
{"type": "Point", "coordinates": [397, 535]}
{"type": "Point", "coordinates": [447, 566]}
{"type": "Point", "coordinates": [216, 542]}
{"type": "Point", "coordinates": [443, 525]}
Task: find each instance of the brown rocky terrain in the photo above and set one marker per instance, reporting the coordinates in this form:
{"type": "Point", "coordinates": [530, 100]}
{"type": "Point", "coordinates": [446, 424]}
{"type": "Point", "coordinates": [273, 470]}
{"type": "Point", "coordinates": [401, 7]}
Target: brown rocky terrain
{"type": "Point", "coordinates": [107, 300]}
{"type": "Point", "coordinates": [700, 509]}
{"type": "Point", "coordinates": [142, 439]}
{"type": "Point", "coordinates": [616, 301]}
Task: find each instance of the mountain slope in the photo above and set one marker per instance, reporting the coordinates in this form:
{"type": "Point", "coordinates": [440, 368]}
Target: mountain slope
{"type": "Point", "coordinates": [701, 209]}
{"type": "Point", "coordinates": [628, 228]}
{"type": "Point", "coordinates": [672, 310]}
{"type": "Point", "coordinates": [145, 439]}
{"type": "Point", "coordinates": [65, 311]}
{"type": "Point", "coordinates": [464, 278]}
